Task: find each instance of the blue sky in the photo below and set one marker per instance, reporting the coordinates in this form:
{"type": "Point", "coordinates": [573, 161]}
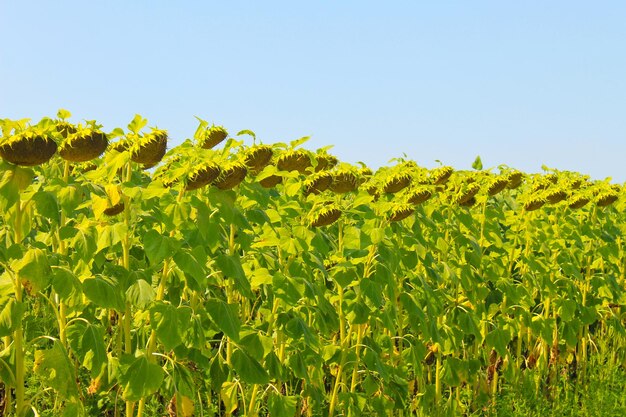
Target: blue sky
{"type": "Point", "coordinates": [518, 83]}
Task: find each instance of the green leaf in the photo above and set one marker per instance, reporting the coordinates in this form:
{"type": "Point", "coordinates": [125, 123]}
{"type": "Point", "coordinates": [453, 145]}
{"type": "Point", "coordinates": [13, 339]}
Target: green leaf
{"type": "Point", "coordinates": [498, 339]}
{"type": "Point", "coordinates": [141, 379]}
{"type": "Point", "coordinates": [282, 405]}
{"type": "Point", "coordinates": [228, 392]}
{"type": "Point", "coordinates": [156, 246]}
{"type": "Point", "coordinates": [56, 369]}
{"type": "Point", "coordinates": [298, 142]}
{"type": "Point", "coordinates": [137, 123]}
{"type": "Point", "coordinates": [33, 269]}
{"type": "Point", "coordinates": [194, 270]}
{"type": "Point", "coordinates": [257, 345]}
{"type": "Point", "coordinates": [140, 294]}
{"type": "Point", "coordinates": [69, 198]}
{"type": "Point", "coordinates": [84, 242]}
{"type": "Point", "coordinates": [218, 372]}
{"type": "Point", "coordinates": [88, 341]}
{"type": "Point", "coordinates": [169, 323]}
{"type": "Point", "coordinates": [64, 114]}
{"type": "Point", "coordinates": [225, 317]}
{"type": "Point", "coordinates": [296, 328]}
{"type": "Point", "coordinates": [47, 205]}
{"type": "Point", "coordinates": [183, 379]}
{"type": "Point", "coordinates": [6, 372]}
{"type": "Point", "coordinates": [248, 368]}
{"type": "Point", "coordinates": [111, 235]}
{"type": "Point", "coordinates": [230, 265]}
{"type": "Point", "coordinates": [477, 164]}
{"type": "Point", "coordinates": [247, 132]}
{"type": "Point", "coordinates": [65, 283]}
{"type": "Point", "coordinates": [11, 317]}
{"type": "Point", "coordinates": [103, 292]}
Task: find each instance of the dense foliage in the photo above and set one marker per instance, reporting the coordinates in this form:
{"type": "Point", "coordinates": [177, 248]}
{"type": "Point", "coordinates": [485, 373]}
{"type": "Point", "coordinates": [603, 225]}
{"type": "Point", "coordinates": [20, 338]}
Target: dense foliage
{"type": "Point", "coordinates": [272, 280]}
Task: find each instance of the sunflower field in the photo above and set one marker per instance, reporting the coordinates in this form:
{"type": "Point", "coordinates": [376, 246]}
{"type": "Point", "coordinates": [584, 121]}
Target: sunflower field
{"type": "Point", "coordinates": [217, 278]}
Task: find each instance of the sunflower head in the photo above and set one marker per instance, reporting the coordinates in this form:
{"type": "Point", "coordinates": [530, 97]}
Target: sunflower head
{"type": "Point", "coordinates": [258, 157]}
{"type": "Point", "coordinates": [202, 175]}
{"type": "Point", "coordinates": [578, 201]}
{"type": "Point", "coordinates": [324, 215]}
{"type": "Point", "coordinates": [30, 147]}
{"type": "Point", "coordinates": [441, 175]}
{"type": "Point", "coordinates": [534, 202]}
{"type": "Point", "coordinates": [419, 195]}
{"type": "Point", "coordinates": [515, 179]}
{"type": "Point", "coordinates": [497, 185]}
{"type": "Point", "coordinates": [84, 144]}
{"type": "Point", "coordinates": [231, 176]}
{"type": "Point", "coordinates": [149, 149]}
{"type": "Point", "coordinates": [344, 181]}
{"type": "Point", "coordinates": [271, 181]}
{"type": "Point", "coordinates": [212, 136]}
{"type": "Point", "coordinates": [325, 161]}
{"type": "Point", "coordinates": [397, 182]}
{"type": "Point", "coordinates": [466, 192]}
{"type": "Point", "coordinates": [607, 197]}
{"type": "Point", "coordinates": [318, 182]}
{"type": "Point", "coordinates": [293, 160]}
{"type": "Point", "coordinates": [554, 196]}
{"type": "Point", "coordinates": [400, 212]}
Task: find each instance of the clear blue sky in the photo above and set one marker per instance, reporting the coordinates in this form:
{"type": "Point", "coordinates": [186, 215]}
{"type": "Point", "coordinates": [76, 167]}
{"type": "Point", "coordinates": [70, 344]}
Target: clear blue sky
{"type": "Point", "coordinates": [522, 83]}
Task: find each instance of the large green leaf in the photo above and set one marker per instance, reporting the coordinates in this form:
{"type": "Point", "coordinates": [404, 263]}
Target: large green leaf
{"type": "Point", "coordinates": [104, 293]}
{"type": "Point", "coordinates": [65, 283]}
{"type": "Point", "coordinates": [33, 269]}
{"type": "Point", "coordinates": [141, 379]}
{"type": "Point", "coordinates": [248, 368]}
{"type": "Point", "coordinates": [193, 268]}
{"type": "Point", "coordinates": [140, 293]}
{"type": "Point", "coordinates": [87, 340]}
{"type": "Point", "coordinates": [156, 246]}
{"type": "Point", "coordinates": [282, 405]}
{"type": "Point", "coordinates": [55, 368]}
{"type": "Point", "coordinates": [230, 265]}
{"type": "Point", "coordinates": [225, 317]}
{"type": "Point", "coordinates": [11, 316]}
{"type": "Point", "coordinates": [47, 206]}
{"type": "Point", "coordinates": [169, 323]}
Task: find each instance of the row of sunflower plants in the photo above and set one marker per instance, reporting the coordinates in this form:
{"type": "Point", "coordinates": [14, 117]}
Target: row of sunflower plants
{"type": "Point", "coordinates": [219, 278]}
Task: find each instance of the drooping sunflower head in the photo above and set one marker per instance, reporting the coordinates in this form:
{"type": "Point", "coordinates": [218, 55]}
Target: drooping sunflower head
{"type": "Point", "coordinates": [515, 179]}
{"type": "Point", "coordinates": [606, 198]}
{"type": "Point", "coordinates": [324, 214]}
{"type": "Point", "coordinates": [396, 182]}
{"type": "Point", "coordinates": [271, 181]}
{"type": "Point", "coordinates": [232, 174]}
{"type": "Point", "coordinates": [419, 195]}
{"type": "Point", "coordinates": [325, 161]}
{"type": "Point", "coordinates": [555, 195]}
{"type": "Point", "coordinates": [211, 137]}
{"type": "Point", "coordinates": [202, 175]}
{"type": "Point", "coordinates": [82, 144]}
{"type": "Point", "coordinates": [293, 160]}
{"type": "Point", "coordinates": [400, 212]}
{"type": "Point", "coordinates": [534, 202]}
{"type": "Point", "coordinates": [318, 183]}
{"type": "Point", "coordinates": [22, 144]}
{"type": "Point", "coordinates": [148, 149]}
{"type": "Point", "coordinates": [466, 192]}
{"type": "Point", "coordinates": [578, 201]}
{"type": "Point", "coordinates": [344, 181]}
{"type": "Point", "coordinates": [497, 184]}
{"type": "Point", "coordinates": [258, 157]}
{"type": "Point", "coordinates": [441, 175]}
